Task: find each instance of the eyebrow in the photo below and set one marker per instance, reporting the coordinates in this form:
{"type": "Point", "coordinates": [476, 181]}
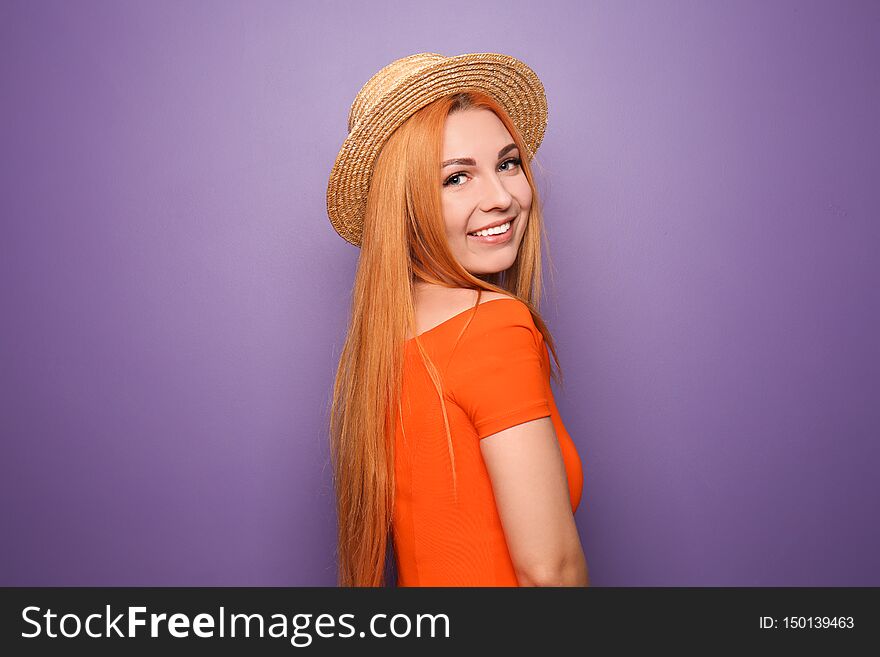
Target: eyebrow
{"type": "Point", "coordinates": [470, 162]}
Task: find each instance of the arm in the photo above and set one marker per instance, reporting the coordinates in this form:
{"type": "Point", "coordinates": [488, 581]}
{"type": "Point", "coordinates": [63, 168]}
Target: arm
{"type": "Point", "coordinates": [531, 492]}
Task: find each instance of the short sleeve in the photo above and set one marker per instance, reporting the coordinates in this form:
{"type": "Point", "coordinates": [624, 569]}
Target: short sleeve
{"type": "Point", "coordinates": [499, 380]}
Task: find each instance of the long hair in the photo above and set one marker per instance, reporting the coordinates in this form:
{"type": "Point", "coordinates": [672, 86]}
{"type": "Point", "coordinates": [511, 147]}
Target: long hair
{"type": "Point", "coordinates": [404, 240]}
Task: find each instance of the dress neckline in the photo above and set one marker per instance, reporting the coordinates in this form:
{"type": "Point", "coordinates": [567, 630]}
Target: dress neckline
{"type": "Point", "coordinates": [457, 315]}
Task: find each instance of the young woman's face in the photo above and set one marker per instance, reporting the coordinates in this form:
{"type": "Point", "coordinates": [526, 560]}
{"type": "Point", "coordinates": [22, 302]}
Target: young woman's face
{"type": "Point", "coordinates": [489, 188]}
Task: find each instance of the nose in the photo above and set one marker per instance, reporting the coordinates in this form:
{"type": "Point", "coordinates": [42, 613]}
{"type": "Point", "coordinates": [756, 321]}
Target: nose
{"type": "Point", "coordinates": [495, 194]}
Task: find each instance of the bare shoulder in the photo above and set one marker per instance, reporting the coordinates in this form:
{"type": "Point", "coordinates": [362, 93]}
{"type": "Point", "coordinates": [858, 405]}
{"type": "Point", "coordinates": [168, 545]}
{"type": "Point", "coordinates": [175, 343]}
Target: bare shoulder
{"type": "Point", "coordinates": [489, 296]}
{"type": "Point", "coordinates": [435, 305]}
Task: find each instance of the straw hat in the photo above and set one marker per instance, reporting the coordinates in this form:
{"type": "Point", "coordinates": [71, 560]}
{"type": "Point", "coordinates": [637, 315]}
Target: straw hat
{"type": "Point", "coordinates": [397, 92]}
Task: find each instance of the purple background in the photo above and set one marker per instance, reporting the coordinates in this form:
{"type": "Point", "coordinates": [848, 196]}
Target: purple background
{"type": "Point", "coordinates": [174, 299]}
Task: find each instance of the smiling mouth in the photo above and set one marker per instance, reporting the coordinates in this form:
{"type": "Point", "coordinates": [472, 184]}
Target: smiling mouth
{"type": "Point", "coordinates": [494, 239]}
{"type": "Point", "coordinates": [494, 229]}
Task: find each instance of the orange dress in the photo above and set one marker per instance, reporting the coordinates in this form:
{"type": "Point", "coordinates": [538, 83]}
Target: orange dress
{"type": "Point", "coordinates": [495, 376]}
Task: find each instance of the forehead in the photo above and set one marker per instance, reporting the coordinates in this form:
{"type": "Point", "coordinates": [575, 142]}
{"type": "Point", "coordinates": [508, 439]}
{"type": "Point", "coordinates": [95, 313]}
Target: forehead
{"type": "Point", "coordinates": [472, 132]}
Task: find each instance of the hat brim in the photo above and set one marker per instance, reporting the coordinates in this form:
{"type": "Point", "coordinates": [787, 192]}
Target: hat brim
{"type": "Point", "coordinates": [513, 84]}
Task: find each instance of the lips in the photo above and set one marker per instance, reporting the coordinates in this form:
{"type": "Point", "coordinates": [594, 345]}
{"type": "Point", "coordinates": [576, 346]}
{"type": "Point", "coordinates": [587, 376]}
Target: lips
{"type": "Point", "coordinates": [501, 222]}
{"type": "Point", "coordinates": [489, 240]}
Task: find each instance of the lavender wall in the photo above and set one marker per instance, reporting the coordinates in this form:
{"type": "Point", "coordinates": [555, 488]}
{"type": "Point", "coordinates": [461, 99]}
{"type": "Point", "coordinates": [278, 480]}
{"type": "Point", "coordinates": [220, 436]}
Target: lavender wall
{"type": "Point", "coordinates": [174, 299]}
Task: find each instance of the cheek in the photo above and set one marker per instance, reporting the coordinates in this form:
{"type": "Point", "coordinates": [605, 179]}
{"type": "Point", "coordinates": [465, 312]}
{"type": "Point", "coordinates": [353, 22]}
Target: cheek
{"type": "Point", "coordinates": [524, 194]}
{"type": "Point", "coordinates": [454, 217]}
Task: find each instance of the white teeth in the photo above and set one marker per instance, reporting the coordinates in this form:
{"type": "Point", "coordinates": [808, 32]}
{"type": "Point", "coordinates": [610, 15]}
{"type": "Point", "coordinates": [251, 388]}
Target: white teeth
{"type": "Point", "coordinates": [498, 230]}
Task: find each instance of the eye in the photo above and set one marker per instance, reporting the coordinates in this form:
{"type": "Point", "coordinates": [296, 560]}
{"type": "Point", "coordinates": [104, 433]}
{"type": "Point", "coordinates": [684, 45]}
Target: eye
{"type": "Point", "coordinates": [514, 161]}
{"type": "Point", "coordinates": [453, 177]}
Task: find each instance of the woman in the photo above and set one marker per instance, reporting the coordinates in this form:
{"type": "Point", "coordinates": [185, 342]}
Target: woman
{"type": "Point", "coordinates": [444, 433]}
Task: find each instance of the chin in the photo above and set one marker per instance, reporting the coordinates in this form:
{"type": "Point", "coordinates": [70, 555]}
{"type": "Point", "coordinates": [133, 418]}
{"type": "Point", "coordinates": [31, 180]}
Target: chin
{"type": "Point", "coordinates": [484, 269]}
